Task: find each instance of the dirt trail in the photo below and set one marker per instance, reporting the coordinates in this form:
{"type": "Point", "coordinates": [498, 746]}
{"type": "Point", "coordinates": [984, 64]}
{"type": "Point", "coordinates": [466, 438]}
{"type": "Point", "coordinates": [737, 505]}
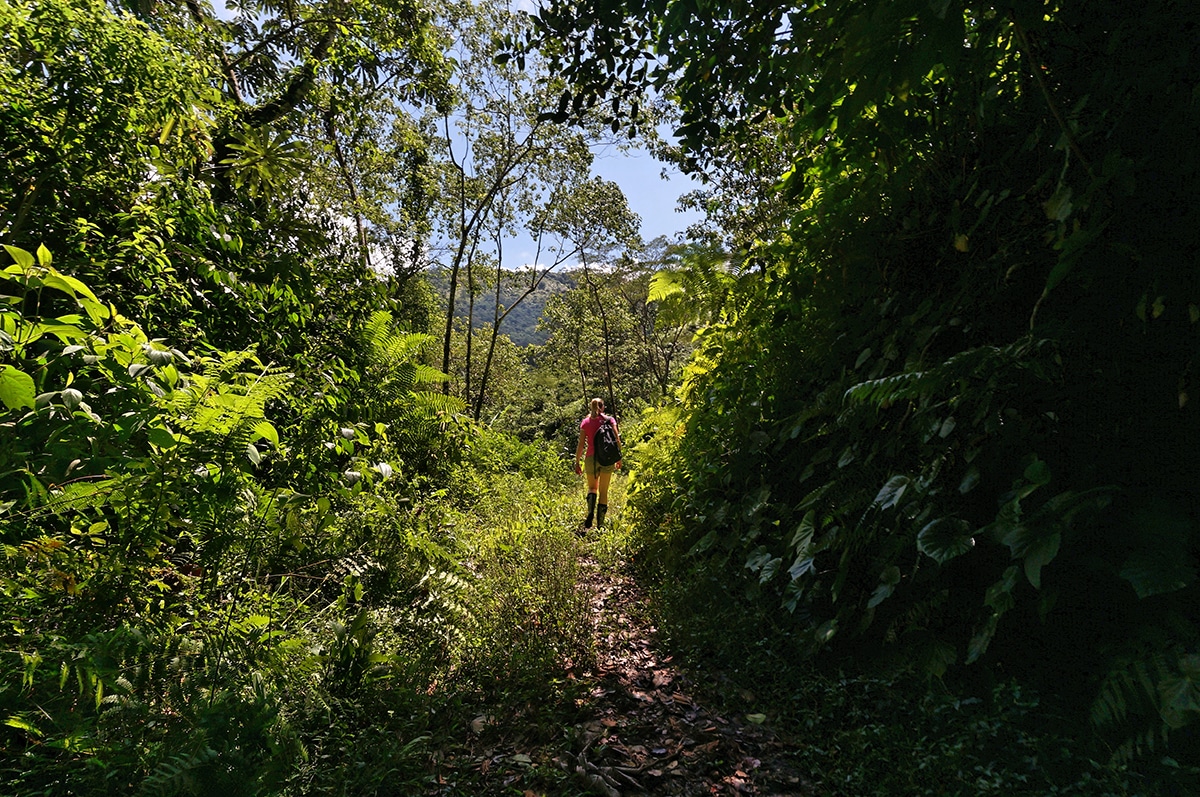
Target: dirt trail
{"type": "Point", "coordinates": [647, 732]}
{"type": "Point", "coordinates": [639, 727]}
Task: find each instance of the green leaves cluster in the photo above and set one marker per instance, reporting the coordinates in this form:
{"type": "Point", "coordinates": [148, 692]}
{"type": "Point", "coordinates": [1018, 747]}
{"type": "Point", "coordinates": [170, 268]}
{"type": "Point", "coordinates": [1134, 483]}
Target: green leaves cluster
{"type": "Point", "coordinates": [213, 429]}
{"type": "Point", "coordinates": [946, 398]}
{"type": "Point", "coordinates": [167, 589]}
{"type": "Point", "coordinates": [224, 478]}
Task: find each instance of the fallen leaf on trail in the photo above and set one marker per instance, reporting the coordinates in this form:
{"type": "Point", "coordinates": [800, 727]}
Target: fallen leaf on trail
{"type": "Point", "coordinates": [757, 719]}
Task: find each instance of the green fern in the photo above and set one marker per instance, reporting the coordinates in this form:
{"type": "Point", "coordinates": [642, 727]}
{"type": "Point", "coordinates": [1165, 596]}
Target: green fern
{"type": "Point", "coordinates": [225, 402]}
{"type": "Point", "coordinates": [388, 346]}
{"type": "Point", "coordinates": [177, 775]}
{"type": "Point", "coordinates": [393, 374]}
{"type": "Point", "coordinates": [918, 385]}
{"type": "Point", "coordinates": [1142, 701]}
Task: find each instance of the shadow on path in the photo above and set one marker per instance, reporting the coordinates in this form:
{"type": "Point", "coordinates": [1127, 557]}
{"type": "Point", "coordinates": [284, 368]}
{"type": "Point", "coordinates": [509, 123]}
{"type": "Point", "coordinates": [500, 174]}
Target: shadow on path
{"type": "Point", "coordinates": [645, 732]}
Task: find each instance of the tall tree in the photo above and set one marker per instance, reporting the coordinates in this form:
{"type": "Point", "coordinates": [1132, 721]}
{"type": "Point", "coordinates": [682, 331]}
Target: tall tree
{"type": "Point", "coordinates": [662, 319]}
{"type": "Point", "coordinates": [224, 157]}
{"type": "Point", "coordinates": [599, 246]}
{"type": "Point", "coordinates": [505, 162]}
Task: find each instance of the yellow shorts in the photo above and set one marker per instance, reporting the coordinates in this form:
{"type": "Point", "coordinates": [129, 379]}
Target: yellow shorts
{"type": "Point", "coordinates": [589, 466]}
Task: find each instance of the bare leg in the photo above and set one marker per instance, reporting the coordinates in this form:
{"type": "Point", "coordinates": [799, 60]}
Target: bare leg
{"type": "Point", "coordinates": [602, 486]}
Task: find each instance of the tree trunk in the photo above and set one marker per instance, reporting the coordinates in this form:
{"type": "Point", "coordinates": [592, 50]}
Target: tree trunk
{"type": "Point", "coordinates": [344, 167]}
{"type": "Point", "coordinates": [470, 325]}
{"type": "Point", "coordinates": [611, 404]}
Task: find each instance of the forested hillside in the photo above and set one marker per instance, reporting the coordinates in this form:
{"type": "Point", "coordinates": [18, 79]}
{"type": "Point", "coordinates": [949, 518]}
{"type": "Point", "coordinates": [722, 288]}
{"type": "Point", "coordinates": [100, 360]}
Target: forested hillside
{"type": "Point", "coordinates": [910, 421]}
{"type": "Point", "coordinates": [521, 326]}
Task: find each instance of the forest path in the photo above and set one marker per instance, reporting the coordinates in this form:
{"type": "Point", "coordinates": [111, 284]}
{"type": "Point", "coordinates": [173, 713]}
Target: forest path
{"type": "Point", "coordinates": [633, 722]}
{"type": "Point", "coordinates": [645, 730]}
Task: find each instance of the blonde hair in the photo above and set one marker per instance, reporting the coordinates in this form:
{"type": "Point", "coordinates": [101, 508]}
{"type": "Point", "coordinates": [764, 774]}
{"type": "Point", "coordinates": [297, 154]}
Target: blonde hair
{"type": "Point", "coordinates": [597, 407]}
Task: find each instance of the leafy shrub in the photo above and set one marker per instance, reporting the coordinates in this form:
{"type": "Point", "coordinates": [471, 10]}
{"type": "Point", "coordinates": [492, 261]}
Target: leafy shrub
{"type": "Point", "coordinates": [175, 618]}
{"type": "Point", "coordinates": [943, 416]}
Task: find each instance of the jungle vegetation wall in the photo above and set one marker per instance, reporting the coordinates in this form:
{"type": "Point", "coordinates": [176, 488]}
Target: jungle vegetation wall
{"type": "Point", "coordinates": [946, 419]}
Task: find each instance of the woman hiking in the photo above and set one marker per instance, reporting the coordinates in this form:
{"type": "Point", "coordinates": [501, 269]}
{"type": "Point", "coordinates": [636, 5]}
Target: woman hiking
{"type": "Point", "coordinates": [598, 475]}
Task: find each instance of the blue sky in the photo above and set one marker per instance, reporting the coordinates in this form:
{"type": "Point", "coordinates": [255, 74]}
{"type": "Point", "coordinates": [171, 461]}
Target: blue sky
{"type": "Point", "coordinates": [650, 196]}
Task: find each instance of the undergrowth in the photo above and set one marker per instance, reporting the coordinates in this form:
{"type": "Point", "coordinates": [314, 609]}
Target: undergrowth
{"type": "Point", "coordinates": [337, 661]}
{"type": "Point", "coordinates": [859, 733]}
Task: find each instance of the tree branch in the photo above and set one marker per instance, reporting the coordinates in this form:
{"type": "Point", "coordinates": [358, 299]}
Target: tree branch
{"type": "Point", "coordinates": [1055, 111]}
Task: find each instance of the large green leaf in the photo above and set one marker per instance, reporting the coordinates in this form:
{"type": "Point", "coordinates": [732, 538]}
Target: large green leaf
{"type": "Point", "coordinates": [1036, 545]}
{"type": "Point", "coordinates": [1162, 560]}
{"type": "Point", "coordinates": [982, 638]}
{"type": "Point", "coordinates": [1040, 554]}
{"type": "Point", "coordinates": [1179, 695]}
{"type": "Point", "coordinates": [945, 538]}
{"type": "Point", "coordinates": [758, 559]}
{"type": "Point", "coordinates": [16, 388]}
{"type": "Point", "coordinates": [803, 537]}
{"type": "Point", "coordinates": [266, 430]}
{"type": "Point", "coordinates": [888, 581]}
{"type": "Point", "coordinates": [23, 259]}
{"type": "Point", "coordinates": [1157, 572]}
{"type": "Point", "coordinates": [891, 493]}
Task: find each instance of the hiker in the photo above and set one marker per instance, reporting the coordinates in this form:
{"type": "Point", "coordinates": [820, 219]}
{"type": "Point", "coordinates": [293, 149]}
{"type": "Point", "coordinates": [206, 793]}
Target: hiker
{"type": "Point", "coordinates": [598, 474]}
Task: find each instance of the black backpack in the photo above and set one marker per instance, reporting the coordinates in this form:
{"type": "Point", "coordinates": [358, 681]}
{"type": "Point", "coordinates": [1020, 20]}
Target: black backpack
{"type": "Point", "coordinates": [608, 451]}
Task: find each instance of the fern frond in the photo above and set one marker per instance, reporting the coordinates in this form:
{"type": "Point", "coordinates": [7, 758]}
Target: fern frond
{"type": "Point", "coordinates": [176, 775]}
{"type": "Point", "coordinates": [78, 496]}
{"type": "Point", "coordinates": [447, 605]}
{"type": "Point", "coordinates": [919, 385]}
{"type": "Point", "coordinates": [426, 375]}
{"type": "Point", "coordinates": [229, 408]}
{"type": "Point", "coordinates": [436, 404]}
{"type": "Point", "coordinates": [389, 346]}
{"type": "Point", "coordinates": [1130, 705]}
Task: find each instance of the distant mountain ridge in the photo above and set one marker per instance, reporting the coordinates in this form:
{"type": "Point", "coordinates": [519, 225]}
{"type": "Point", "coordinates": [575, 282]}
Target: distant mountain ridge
{"type": "Point", "coordinates": [521, 323]}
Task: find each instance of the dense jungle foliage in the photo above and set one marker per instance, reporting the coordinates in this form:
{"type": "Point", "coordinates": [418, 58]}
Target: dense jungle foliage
{"type": "Point", "coordinates": [944, 418]}
{"type": "Point", "coordinates": [281, 515]}
{"type": "Point", "coordinates": [249, 545]}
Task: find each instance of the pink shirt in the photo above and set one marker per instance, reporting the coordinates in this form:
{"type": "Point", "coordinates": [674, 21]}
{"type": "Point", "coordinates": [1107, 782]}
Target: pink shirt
{"type": "Point", "coordinates": [590, 426]}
